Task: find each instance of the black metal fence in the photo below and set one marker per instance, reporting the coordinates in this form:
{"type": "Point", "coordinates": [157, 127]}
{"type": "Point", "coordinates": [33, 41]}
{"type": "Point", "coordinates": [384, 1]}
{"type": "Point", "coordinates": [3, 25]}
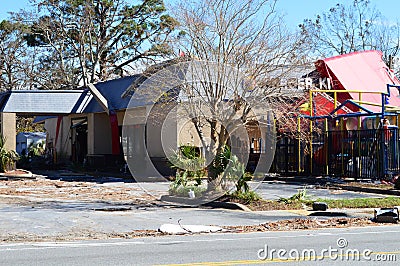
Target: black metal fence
{"type": "Point", "coordinates": [360, 154]}
{"type": "Point", "coordinates": [287, 160]}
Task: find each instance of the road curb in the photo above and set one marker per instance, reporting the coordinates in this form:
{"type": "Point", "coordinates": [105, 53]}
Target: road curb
{"type": "Point", "coordinates": [201, 202]}
{"type": "Point", "coordinates": [369, 190]}
{"type": "Point", "coordinates": [228, 205]}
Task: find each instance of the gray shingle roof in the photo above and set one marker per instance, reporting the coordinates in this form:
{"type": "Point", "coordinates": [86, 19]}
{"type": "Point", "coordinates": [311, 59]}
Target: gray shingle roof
{"type": "Point", "coordinates": [59, 102]}
{"type": "Point", "coordinates": [40, 102]}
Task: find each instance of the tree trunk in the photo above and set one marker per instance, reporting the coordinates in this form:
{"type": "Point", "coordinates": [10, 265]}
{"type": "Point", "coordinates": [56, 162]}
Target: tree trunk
{"type": "Point", "coordinates": [217, 167]}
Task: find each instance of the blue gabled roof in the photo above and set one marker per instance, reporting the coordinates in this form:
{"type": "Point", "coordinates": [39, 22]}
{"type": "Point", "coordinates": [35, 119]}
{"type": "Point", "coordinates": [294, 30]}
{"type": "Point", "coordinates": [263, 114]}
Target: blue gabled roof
{"type": "Point", "coordinates": [42, 118]}
{"type": "Point", "coordinates": [3, 98]}
{"type": "Point", "coordinates": [111, 90]}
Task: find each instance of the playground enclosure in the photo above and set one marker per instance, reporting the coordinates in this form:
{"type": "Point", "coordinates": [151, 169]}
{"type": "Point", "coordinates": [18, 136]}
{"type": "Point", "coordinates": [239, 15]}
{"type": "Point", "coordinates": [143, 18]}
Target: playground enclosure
{"type": "Point", "coordinates": [353, 139]}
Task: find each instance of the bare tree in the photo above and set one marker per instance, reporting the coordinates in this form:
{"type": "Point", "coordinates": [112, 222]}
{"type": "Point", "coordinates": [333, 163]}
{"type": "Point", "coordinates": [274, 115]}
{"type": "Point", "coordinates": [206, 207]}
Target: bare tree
{"type": "Point", "coordinates": [230, 52]}
{"type": "Point", "coordinates": [356, 27]}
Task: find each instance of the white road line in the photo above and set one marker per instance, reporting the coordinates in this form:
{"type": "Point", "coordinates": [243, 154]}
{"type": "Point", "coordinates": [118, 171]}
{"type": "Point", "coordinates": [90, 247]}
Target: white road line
{"type": "Point", "coordinates": [53, 245]}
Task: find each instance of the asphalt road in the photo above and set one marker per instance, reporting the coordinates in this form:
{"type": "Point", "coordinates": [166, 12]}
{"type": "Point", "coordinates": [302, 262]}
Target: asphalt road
{"type": "Point", "coordinates": [376, 245]}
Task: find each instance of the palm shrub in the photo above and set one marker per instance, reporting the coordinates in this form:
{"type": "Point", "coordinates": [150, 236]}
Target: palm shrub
{"type": "Point", "coordinates": [235, 170]}
{"type": "Point", "coordinates": [36, 149]}
{"type": "Point", "coordinates": [190, 168]}
{"type": "Point", "coordinates": [7, 157]}
{"type": "Point", "coordinates": [231, 168]}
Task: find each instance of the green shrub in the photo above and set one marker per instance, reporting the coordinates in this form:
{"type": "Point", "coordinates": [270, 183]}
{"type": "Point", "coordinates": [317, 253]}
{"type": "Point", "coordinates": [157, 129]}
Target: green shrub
{"type": "Point", "coordinates": [183, 191]}
{"type": "Point", "coordinates": [7, 157]}
{"type": "Point", "coordinates": [187, 159]}
{"type": "Point", "coordinates": [246, 196]}
{"type": "Point", "coordinates": [300, 196]}
{"type": "Point", "coordinates": [190, 169]}
{"type": "Point", "coordinates": [36, 149]}
{"type": "Point", "coordinates": [236, 171]}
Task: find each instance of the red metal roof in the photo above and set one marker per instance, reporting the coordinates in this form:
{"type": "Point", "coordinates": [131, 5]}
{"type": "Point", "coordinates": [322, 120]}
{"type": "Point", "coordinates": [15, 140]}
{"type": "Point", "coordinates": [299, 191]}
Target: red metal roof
{"type": "Point", "coordinates": [363, 71]}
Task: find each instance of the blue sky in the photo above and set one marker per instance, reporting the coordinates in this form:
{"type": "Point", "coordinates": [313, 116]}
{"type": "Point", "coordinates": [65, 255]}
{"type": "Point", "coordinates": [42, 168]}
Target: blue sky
{"type": "Point", "coordinates": [295, 10]}
{"type": "Point", "coordinates": [11, 5]}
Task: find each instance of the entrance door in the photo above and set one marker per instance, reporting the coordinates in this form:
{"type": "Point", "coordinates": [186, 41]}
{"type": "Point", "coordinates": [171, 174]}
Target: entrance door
{"type": "Point", "coordinates": [79, 140]}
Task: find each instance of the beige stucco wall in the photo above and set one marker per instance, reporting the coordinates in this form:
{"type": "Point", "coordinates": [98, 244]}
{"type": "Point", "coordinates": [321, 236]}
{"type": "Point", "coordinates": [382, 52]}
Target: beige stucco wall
{"type": "Point", "coordinates": [186, 131]}
{"type": "Point", "coordinates": [91, 133]}
{"type": "Point", "coordinates": [133, 116]}
{"type": "Point", "coordinates": [167, 129]}
{"type": "Point", "coordinates": [101, 128]}
{"type": "Point", "coordinates": [99, 134]}
{"type": "Point", "coordinates": [161, 130]}
{"type": "Point", "coordinates": [187, 134]}
{"type": "Point", "coordinates": [64, 141]}
{"type": "Point", "coordinates": [7, 129]}
{"type": "Point", "coordinates": [63, 144]}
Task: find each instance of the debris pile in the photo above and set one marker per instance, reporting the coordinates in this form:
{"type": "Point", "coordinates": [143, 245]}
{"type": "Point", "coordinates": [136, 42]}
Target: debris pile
{"type": "Point", "coordinates": [302, 224]}
{"type": "Point", "coordinates": [42, 189]}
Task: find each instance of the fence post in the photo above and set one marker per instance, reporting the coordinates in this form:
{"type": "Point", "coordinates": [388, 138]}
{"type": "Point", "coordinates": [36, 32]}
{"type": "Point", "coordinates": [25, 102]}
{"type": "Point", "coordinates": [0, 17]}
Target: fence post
{"type": "Point", "coordinates": [325, 146]}
{"type": "Point", "coordinates": [341, 146]}
{"type": "Point", "coordinates": [311, 146]}
{"type": "Point", "coordinates": [298, 145]}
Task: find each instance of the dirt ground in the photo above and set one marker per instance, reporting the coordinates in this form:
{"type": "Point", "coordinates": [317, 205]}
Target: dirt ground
{"type": "Point", "coordinates": [303, 224]}
{"type": "Point", "coordinates": [34, 191]}
{"type": "Point", "coordinates": [37, 189]}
